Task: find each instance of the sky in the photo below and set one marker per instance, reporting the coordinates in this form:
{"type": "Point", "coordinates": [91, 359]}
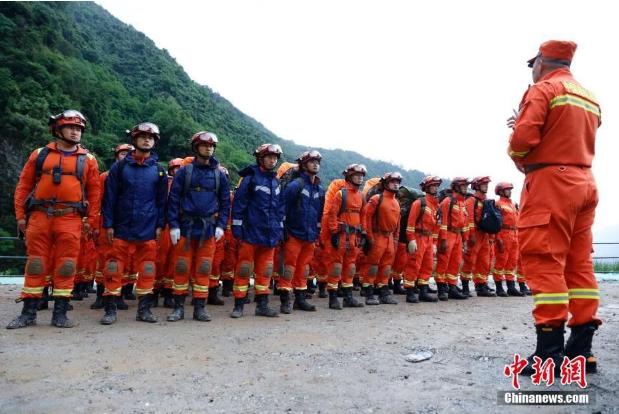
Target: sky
{"type": "Point", "coordinates": [426, 85]}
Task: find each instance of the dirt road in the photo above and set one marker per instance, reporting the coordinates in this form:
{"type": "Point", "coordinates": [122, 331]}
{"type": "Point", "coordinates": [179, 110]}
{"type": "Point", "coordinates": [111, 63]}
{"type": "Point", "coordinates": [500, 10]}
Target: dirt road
{"type": "Point", "coordinates": [321, 362]}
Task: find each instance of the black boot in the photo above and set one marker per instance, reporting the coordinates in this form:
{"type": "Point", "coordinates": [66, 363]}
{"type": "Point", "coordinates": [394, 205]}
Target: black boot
{"type": "Point", "coordinates": [168, 298]}
{"type": "Point", "coordinates": [98, 303]}
{"type": "Point", "coordinates": [43, 302]}
{"type": "Point", "coordinates": [499, 289]}
{"type": "Point", "coordinates": [84, 289]}
{"type": "Point", "coordinates": [76, 294]}
{"type": "Point", "coordinates": [199, 312]}
{"type": "Point", "coordinates": [311, 286]}
{"type": "Point", "coordinates": [549, 345]}
{"type": "Point", "coordinates": [322, 289]}
{"type": "Point", "coordinates": [524, 289]}
{"type": "Point", "coordinates": [120, 303]}
{"type": "Point", "coordinates": [28, 314]}
{"type": "Point", "coordinates": [334, 302]}
{"type": "Point", "coordinates": [127, 292]}
{"type": "Point", "coordinates": [109, 302]}
{"type": "Point", "coordinates": [411, 296]}
{"type": "Point", "coordinates": [482, 289]}
{"type": "Point", "coordinates": [454, 293]}
{"type": "Point", "coordinates": [356, 284]}
{"type": "Point", "coordinates": [425, 296]}
{"type": "Point", "coordinates": [156, 293]}
{"type": "Point", "coordinates": [431, 290]}
{"type": "Point", "coordinates": [90, 287]}
{"type": "Point", "coordinates": [179, 309]}
{"type": "Point", "coordinates": [262, 307]}
{"type": "Point", "coordinates": [59, 315]}
{"type": "Point", "coordinates": [442, 291]}
{"type": "Point", "coordinates": [349, 301]}
{"type": "Point", "coordinates": [465, 288]}
{"type": "Point", "coordinates": [397, 287]}
{"type": "Point", "coordinates": [237, 312]}
{"type": "Point", "coordinates": [511, 289]}
{"type": "Point", "coordinates": [226, 287]}
{"type": "Point", "coordinates": [213, 298]}
{"type": "Point", "coordinates": [370, 300]}
{"type": "Point", "coordinates": [340, 292]}
{"type": "Point", "coordinates": [145, 302]}
{"type": "Point", "coordinates": [301, 303]}
{"type": "Point", "coordinates": [285, 307]}
{"type": "Point", "coordinates": [580, 342]}
{"type": "Point", "coordinates": [385, 296]}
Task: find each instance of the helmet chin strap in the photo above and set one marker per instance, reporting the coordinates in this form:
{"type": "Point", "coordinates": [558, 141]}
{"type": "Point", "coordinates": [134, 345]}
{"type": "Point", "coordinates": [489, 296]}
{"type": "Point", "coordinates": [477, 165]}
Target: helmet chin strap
{"type": "Point", "coordinates": [68, 141]}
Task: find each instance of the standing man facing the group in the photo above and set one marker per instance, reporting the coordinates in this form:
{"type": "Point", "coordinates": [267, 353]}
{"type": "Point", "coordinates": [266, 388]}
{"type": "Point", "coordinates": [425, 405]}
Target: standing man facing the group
{"type": "Point", "coordinates": [553, 143]}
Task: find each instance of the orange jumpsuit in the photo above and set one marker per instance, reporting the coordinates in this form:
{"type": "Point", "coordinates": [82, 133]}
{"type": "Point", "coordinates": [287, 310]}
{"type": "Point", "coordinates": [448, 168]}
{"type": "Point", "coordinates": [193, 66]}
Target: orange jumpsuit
{"type": "Point", "coordinates": [506, 246]}
{"type": "Point", "coordinates": [381, 219]}
{"type": "Point", "coordinates": [455, 230]}
{"type": "Point", "coordinates": [422, 226]}
{"type": "Point", "coordinates": [54, 225]}
{"type": "Point", "coordinates": [101, 242]}
{"type": "Point", "coordinates": [553, 143]}
{"type": "Point", "coordinates": [165, 252]}
{"type": "Point", "coordinates": [341, 260]}
{"type": "Point", "coordinates": [477, 260]}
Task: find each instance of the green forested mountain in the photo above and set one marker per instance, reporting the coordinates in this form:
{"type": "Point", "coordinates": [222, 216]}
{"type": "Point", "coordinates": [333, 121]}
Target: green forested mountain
{"type": "Point", "coordinates": [57, 55]}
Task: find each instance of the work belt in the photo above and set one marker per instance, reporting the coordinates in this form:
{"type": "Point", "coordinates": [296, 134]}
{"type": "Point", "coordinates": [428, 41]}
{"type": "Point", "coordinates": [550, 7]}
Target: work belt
{"type": "Point", "coordinates": [205, 221]}
{"type": "Point", "coordinates": [457, 230]}
{"type": "Point", "coordinates": [534, 167]}
{"type": "Point", "coordinates": [348, 230]}
{"type": "Point", "coordinates": [423, 232]}
{"type": "Point", "coordinates": [56, 212]}
{"type": "Point", "coordinates": [504, 227]}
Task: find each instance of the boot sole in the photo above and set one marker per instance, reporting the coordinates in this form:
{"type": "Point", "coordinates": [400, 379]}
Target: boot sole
{"type": "Point", "coordinates": [21, 326]}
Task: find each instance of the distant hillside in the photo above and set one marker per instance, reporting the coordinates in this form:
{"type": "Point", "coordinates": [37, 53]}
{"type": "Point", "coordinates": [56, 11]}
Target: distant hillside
{"type": "Point", "coordinates": [56, 55]}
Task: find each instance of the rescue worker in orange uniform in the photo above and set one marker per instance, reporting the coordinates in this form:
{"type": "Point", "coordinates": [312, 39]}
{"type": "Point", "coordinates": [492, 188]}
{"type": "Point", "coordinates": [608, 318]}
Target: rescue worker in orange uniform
{"type": "Point", "coordinates": [103, 247]}
{"type": "Point", "coordinates": [257, 222]}
{"type": "Point", "coordinates": [341, 235]}
{"type": "Point", "coordinates": [553, 143]}
{"type": "Point", "coordinates": [506, 241]}
{"type": "Point", "coordinates": [165, 252]}
{"type": "Point", "coordinates": [55, 200]}
{"type": "Point", "coordinates": [477, 258]}
{"type": "Point", "coordinates": [453, 232]}
{"type": "Point", "coordinates": [381, 221]}
{"type": "Point", "coordinates": [133, 216]}
{"type": "Point", "coordinates": [421, 229]}
{"type": "Point", "coordinates": [231, 249]}
{"type": "Point", "coordinates": [406, 197]}
{"type": "Point", "coordinates": [220, 253]}
{"type": "Point", "coordinates": [198, 209]}
{"type": "Point", "coordinates": [304, 202]}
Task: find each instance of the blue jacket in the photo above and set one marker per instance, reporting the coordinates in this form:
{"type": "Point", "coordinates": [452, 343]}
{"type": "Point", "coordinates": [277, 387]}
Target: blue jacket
{"type": "Point", "coordinates": [257, 214]}
{"type": "Point", "coordinates": [187, 211]}
{"type": "Point", "coordinates": [134, 203]}
{"type": "Point", "coordinates": [304, 205]}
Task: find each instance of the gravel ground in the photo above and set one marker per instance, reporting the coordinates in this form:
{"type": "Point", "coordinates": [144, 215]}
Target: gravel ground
{"type": "Point", "coordinates": [321, 362]}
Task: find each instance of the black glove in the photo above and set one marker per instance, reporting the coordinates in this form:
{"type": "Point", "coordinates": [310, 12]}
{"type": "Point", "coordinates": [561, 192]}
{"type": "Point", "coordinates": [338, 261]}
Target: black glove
{"type": "Point", "coordinates": [335, 240]}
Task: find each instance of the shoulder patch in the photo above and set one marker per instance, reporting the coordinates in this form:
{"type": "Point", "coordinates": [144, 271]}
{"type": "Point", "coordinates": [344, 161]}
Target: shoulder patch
{"type": "Point", "coordinates": [90, 156]}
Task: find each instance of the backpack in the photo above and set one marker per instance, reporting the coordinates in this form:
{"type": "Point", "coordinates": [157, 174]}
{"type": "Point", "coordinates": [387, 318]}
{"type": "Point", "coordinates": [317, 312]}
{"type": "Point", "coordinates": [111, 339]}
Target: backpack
{"type": "Point", "coordinates": [187, 182]}
{"type": "Point", "coordinates": [372, 187]}
{"type": "Point", "coordinates": [79, 174]}
{"type": "Point", "coordinates": [491, 219]}
{"type": "Point", "coordinates": [287, 173]}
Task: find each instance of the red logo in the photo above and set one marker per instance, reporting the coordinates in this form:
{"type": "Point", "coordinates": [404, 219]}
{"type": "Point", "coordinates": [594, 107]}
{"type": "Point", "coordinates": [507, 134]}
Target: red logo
{"type": "Point", "coordinates": [571, 371]}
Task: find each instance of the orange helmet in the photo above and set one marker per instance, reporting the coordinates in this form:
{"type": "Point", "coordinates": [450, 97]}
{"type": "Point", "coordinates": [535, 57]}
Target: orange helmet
{"type": "Point", "coordinates": [503, 186]}
{"type": "Point", "coordinates": [147, 127]}
{"type": "Point", "coordinates": [123, 147]}
{"type": "Point", "coordinates": [268, 149]}
{"type": "Point", "coordinates": [392, 176]}
{"type": "Point", "coordinates": [309, 156]}
{"type": "Point", "coordinates": [204, 137]}
{"type": "Point", "coordinates": [176, 162]}
{"type": "Point", "coordinates": [68, 117]}
{"type": "Point", "coordinates": [458, 181]}
{"type": "Point", "coordinates": [477, 181]}
{"type": "Point", "coordinates": [430, 180]}
{"type": "Point", "coordinates": [355, 169]}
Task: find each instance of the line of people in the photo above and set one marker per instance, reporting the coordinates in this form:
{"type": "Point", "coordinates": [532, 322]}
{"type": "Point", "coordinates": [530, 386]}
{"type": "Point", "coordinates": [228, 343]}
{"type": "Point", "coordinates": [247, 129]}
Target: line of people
{"type": "Point", "coordinates": [171, 232]}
